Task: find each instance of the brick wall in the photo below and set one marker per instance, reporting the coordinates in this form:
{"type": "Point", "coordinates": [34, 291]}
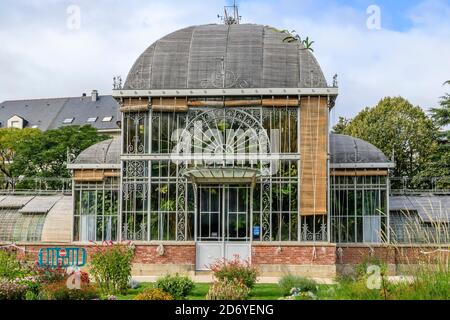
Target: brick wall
{"type": "Point", "coordinates": [143, 254]}
{"type": "Point", "coordinates": [391, 255]}
{"type": "Point", "coordinates": [294, 255]}
{"type": "Point", "coordinates": [270, 254]}
{"type": "Point", "coordinates": [172, 255]}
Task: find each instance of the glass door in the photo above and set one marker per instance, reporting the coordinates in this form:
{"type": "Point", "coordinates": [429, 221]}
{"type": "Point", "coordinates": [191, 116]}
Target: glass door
{"type": "Point", "coordinates": [223, 224]}
{"type": "Point", "coordinates": [210, 216]}
{"type": "Point", "coordinates": [237, 214]}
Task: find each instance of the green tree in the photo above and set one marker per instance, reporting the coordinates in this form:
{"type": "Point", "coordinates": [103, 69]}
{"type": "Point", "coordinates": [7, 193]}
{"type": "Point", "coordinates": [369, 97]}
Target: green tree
{"type": "Point", "coordinates": [343, 123]}
{"type": "Point", "coordinates": [396, 126]}
{"type": "Point", "coordinates": [442, 115]}
{"type": "Point", "coordinates": [10, 140]}
{"type": "Point", "coordinates": [46, 156]}
{"type": "Point", "coordinates": [439, 163]}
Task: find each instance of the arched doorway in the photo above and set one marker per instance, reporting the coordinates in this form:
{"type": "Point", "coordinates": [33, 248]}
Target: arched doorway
{"type": "Point", "coordinates": [224, 153]}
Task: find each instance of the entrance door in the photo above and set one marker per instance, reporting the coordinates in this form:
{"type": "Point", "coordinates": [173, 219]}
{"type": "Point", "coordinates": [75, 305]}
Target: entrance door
{"type": "Point", "coordinates": [223, 224]}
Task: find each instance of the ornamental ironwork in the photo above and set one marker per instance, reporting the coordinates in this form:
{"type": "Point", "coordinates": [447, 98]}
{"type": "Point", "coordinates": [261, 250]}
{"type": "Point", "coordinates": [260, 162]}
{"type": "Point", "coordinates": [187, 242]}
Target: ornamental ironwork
{"type": "Point", "coordinates": [224, 79]}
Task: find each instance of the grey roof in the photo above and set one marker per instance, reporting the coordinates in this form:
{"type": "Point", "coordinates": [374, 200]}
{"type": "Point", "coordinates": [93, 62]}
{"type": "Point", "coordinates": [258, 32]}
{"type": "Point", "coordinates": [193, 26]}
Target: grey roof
{"type": "Point", "coordinates": [36, 219]}
{"type": "Point", "coordinates": [349, 150]}
{"type": "Point", "coordinates": [430, 208]}
{"type": "Point", "coordinates": [46, 114]}
{"type": "Point", "coordinates": [254, 56]}
{"type": "Point", "coordinates": [105, 152]}
{"type": "Point", "coordinates": [40, 205]}
{"type": "Point", "coordinates": [83, 108]}
{"type": "Point", "coordinates": [15, 202]}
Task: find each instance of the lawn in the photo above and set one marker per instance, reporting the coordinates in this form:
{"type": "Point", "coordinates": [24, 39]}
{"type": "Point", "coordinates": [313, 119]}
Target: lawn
{"type": "Point", "coordinates": [260, 292]}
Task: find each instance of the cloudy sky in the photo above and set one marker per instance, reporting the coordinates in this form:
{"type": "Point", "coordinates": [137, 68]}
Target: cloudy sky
{"type": "Point", "coordinates": [46, 51]}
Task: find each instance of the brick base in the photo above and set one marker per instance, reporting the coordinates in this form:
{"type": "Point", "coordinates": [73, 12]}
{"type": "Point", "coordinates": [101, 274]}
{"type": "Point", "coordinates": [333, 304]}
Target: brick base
{"type": "Point", "coordinates": [400, 260]}
{"type": "Point", "coordinates": [321, 261]}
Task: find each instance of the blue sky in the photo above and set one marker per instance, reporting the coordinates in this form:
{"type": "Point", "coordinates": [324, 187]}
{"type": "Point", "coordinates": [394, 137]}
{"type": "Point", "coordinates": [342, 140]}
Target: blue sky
{"type": "Point", "coordinates": [43, 55]}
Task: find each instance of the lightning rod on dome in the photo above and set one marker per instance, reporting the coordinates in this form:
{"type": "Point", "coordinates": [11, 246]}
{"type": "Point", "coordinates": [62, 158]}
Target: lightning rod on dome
{"type": "Point", "coordinates": [231, 15]}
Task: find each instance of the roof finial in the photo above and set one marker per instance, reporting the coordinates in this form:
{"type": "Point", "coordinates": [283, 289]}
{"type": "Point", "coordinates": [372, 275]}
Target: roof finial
{"type": "Point", "coordinates": [231, 14]}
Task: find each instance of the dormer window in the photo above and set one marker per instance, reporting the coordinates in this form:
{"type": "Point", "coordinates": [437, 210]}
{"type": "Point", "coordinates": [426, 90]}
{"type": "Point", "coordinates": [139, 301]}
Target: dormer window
{"type": "Point", "coordinates": [16, 122]}
{"type": "Point", "coordinates": [92, 120]}
{"type": "Point", "coordinates": [68, 120]}
{"type": "Point", "coordinates": [107, 119]}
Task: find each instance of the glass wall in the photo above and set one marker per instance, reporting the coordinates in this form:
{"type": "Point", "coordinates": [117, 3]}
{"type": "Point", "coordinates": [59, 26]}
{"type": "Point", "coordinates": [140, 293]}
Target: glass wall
{"type": "Point", "coordinates": [136, 133]}
{"type": "Point", "coordinates": [18, 227]}
{"type": "Point", "coordinates": [275, 205]}
{"type": "Point", "coordinates": [359, 212]}
{"type": "Point", "coordinates": [159, 202]}
{"type": "Point", "coordinates": [96, 211]}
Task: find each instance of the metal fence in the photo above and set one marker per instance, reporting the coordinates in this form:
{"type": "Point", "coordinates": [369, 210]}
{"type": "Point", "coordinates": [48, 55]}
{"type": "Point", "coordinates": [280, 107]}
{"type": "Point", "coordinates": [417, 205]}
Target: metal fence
{"type": "Point", "coordinates": [35, 186]}
{"type": "Point", "coordinates": [408, 185]}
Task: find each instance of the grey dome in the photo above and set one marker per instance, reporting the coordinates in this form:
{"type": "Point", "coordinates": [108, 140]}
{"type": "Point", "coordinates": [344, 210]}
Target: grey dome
{"type": "Point", "coordinates": [105, 152]}
{"type": "Point", "coordinates": [254, 56]}
{"type": "Point", "coordinates": [348, 150]}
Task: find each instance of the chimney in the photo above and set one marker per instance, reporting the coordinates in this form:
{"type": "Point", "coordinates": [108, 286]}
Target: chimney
{"type": "Point", "coordinates": [94, 95]}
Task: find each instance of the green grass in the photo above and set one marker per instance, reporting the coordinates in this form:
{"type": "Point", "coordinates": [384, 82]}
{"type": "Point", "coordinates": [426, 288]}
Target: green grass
{"type": "Point", "coordinates": [429, 286]}
{"type": "Point", "coordinates": [260, 292]}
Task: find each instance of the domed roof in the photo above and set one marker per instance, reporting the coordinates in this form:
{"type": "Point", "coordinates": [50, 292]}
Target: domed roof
{"type": "Point", "coordinates": [350, 150]}
{"type": "Point", "coordinates": [252, 56]}
{"type": "Point", "coordinates": [105, 152]}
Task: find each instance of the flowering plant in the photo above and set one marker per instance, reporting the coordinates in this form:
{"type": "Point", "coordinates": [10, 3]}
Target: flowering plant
{"type": "Point", "coordinates": [235, 270]}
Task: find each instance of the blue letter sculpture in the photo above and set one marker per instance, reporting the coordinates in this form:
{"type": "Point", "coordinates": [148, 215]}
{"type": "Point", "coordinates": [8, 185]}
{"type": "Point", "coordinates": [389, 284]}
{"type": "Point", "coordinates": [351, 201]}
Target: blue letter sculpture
{"type": "Point", "coordinates": [62, 257]}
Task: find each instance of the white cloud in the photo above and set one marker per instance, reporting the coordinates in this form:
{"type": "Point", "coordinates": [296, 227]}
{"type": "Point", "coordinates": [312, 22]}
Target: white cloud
{"type": "Point", "coordinates": [40, 57]}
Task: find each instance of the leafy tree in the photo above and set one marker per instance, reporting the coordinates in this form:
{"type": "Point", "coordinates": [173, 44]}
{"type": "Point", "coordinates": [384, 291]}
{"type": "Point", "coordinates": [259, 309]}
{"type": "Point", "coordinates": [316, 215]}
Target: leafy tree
{"type": "Point", "coordinates": [439, 163]}
{"type": "Point", "coordinates": [46, 155]}
{"type": "Point", "coordinates": [10, 140]}
{"type": "Point", "coordinates": [396, 126]}
{"type": "Point", "coordinates": [442, 115]}
{"type": "Point", "coordinates": [343, 123]}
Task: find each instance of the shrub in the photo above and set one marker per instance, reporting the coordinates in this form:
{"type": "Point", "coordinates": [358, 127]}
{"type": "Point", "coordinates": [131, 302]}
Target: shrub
{"type": "Point", "coordinates": [228, 290]}
{"type": "Point", "coordinates": [177, 286]}
{"type": "Point", "coordinates": [31, 296]}
{"type": "Point", "coordinates": [10, 267]}
{"type": "Point", "coordinates": [111, 269]}
{"type": "Point", "coordinates": [61, 291]}
{"type": "Point", "coordinates": [289, 282]}
{"type": "Point", "coordinates": [153, 294]}
{"type": "Point", "coordinates": [32, 284]}
{"type": "Point", "coordinates": [47, 275]}
{"type": "Point", "coordinates": [11, 290]}
{"type": "Point", "coordinates": [235, 269]}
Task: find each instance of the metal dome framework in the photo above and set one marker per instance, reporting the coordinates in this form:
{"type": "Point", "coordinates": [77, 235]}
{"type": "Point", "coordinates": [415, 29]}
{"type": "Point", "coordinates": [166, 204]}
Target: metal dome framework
{"type": "Point", "coordinates": [238, 56]}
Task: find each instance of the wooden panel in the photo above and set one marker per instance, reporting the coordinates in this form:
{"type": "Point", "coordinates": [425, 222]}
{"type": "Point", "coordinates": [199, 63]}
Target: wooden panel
{"type": "Point", "coordinates": [94, 175]}
{"type": "Point", "coordinates": [313, 155]}
{"type": "Point", "coordinates": [135, 105]}
{"type": "Point", "coordinates": [275, 102]}
{"type": "Point", "coordinates": [170, 104]}
{"type": "Point", "coordinates": [280, 102]}
{"type": "Point", "coordinates": [112, 173]}
{"type": "Point", "coordinates": [359, 173]}
{"type": "Point", "coordinates": [242, 103]}
{"type": "Point", "coordinates": [201, 103]}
